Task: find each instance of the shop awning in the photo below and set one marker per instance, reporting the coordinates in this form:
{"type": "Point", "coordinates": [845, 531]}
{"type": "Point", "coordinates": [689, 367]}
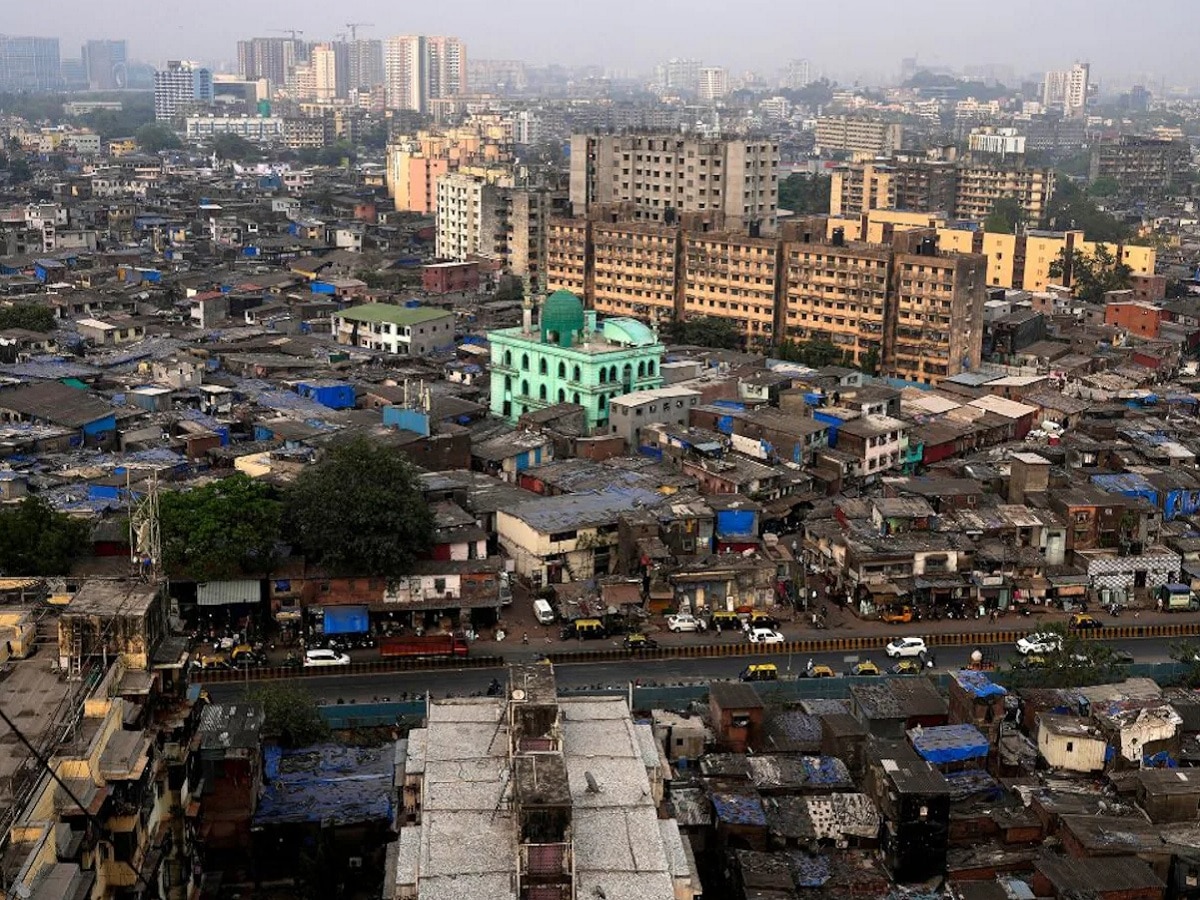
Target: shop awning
{"type": "Point", "coordinates": [228, 593]}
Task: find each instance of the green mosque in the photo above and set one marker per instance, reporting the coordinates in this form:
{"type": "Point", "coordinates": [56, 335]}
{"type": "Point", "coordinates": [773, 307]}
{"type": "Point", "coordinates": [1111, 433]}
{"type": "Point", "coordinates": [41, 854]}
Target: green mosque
{"type": "Point", "coordinates": [570, 357]}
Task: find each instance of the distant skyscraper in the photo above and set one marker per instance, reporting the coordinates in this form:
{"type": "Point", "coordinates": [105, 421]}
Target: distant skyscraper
{"type": "Point", "coordinates": [104, 64]}
{"type": "Point", "coordinates": [418, 69]}
{"type": "Point", "coordinates": [30, 64]}
{"type": "Point", "coordinates": [181, 87]}
{"type": "Point", "coordinates": [679, 76]}
{"type": "Point", "coordinates": [714, 83]}
{"type": "Point", "coordinates": [365, 64]}
{"type": "Point", "coordinates": [270, 58]}
{"type": "Point", "coordinates": [1067, 91]}
{"type": "Point", "coordinates": [799, 74]}
{"type": "Point", "coordinates": [323, 60]}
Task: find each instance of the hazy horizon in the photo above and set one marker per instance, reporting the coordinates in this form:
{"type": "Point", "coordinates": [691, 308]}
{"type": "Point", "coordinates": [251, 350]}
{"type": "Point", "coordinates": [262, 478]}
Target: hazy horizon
{"type": "Point", "coordinates": [867, 38]}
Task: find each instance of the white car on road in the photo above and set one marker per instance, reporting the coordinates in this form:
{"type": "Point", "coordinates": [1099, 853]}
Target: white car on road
{"type": "Point", "coordinates": [765, 636]}
{"type": "Point", "coordinates": [1039, 643]}
{"type": "Point", "coordinates": [325, 658]}
{"type": "Point", "coordinates": [684, 622]}
{"type": "Point", "coordinates": [909, 646]}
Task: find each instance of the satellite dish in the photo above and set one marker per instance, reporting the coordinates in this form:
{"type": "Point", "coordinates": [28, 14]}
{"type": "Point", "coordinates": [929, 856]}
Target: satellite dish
{"type": "Point", "coordinates": [518, 694]}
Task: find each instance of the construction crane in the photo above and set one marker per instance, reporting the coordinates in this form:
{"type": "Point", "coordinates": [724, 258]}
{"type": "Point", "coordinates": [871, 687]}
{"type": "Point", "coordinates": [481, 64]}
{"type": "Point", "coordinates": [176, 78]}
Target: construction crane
{"type": "Point", "coordinates": [354, 26]}
{"type": "Point", "coordinates": [292, 31]}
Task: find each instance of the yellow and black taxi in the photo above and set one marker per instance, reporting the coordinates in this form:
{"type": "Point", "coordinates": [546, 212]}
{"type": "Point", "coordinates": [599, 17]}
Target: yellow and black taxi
{"type": "Point", "coordinates": [636, 642]}
{"type": "Point", "coordinates": [725, 619]}
{"type": "Point", "coordinates": [585, 629]}
{"type": "Point", "coordinates": [866, 667]}
{"type": "Point", "coordinates": [1084, 622]}
{"type": "Point", "coordinates": [906, 667]}
{"type": "Point", "coordinates": [821, 671]}
{"type": "Point", "coordinates": [760, 672]}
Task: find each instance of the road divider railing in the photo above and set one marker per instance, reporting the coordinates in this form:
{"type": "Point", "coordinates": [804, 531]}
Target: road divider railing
{"type": "Point", "coordinates": [865, 643]}
{"type": "Point", "coordinates": [365, 667]}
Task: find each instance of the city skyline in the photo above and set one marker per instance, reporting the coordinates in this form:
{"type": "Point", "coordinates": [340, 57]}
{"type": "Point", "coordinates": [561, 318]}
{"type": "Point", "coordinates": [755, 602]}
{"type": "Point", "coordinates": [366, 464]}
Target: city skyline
{"type": "Point", "coordinates": [872, 53]}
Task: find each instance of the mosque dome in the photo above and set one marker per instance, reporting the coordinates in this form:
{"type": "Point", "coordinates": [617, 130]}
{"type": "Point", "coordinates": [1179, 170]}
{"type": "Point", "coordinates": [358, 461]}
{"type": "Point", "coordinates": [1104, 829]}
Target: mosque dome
{"type": "Point", "coordinates": [562, 318]}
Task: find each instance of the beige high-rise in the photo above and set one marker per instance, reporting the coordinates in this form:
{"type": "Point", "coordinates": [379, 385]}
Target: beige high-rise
{"type": "Point", "coordinates": [665, 175]}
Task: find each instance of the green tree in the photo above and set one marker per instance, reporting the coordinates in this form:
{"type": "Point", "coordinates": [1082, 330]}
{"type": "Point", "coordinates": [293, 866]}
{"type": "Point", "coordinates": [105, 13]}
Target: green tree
{"type": "Point", "coordinates": [292, 716]}
{"type": "Point", "coordinates": [220, 530]}
{"type": "Point", "coordinates": [28, 316]}
{"type": "Point", "coordinates": [155, 136]}
{"type": "Point", "coordinates": [37, 540]}
{"type": "Point", "coordinates": [1091, 277]}
{"type": "Point", "coordinates": [814, 353]}
{"type": "Point", "coordinates": [1104, 187]}
{"type": "Point", "coordinates": [805, 194]}
{"type": "Point", "coordinates": [1070, 209]}
{"type": "Point", "coordinates": [1078, 662]}
{"type": "Point", "coordinates": [359, 511]}
{"type": "Point", "coordinates": [236, 148]}
{"type": "Point", "coordinates": [704, 331]}
{"type": "Point", "coordinates": [1005, 218]}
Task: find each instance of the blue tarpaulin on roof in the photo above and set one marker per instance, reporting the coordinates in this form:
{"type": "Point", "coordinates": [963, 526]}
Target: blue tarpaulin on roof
{"type": "Point", "coordinates": [346, 620]}
{"type": "Point", "coordinates": [978, 683]}
{"type": "Point", "coordinates": [949, 743]}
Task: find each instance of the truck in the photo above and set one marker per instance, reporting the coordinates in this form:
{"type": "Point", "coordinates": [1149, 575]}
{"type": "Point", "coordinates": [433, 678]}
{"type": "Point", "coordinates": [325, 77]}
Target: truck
{"type": "Point", "coordinates": [424, 645]}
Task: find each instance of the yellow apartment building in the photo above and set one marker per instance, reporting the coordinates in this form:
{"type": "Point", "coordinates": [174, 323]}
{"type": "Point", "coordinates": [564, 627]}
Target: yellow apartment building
{"type": "Point", "coordinates": [835, 292]}
{"type": "Point", "coordinates": [567, 250]}
{"type": "Point", "coordinates": [635, 270]}
{"type": "Point", "coordinates": [980, 185]}
{"type": "Point", "coordinates": [938, 304]}
{"type": "Point", "coordinates": [734, 277]}
{"type": "Point", "coordinates": [1013, 261]}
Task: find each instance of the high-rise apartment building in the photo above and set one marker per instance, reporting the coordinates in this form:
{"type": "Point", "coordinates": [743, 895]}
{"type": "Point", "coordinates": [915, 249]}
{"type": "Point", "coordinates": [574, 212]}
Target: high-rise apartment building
{"type": "Point", "coordinates": [104, 64]}
{"type": "Point", "coordinates": [864, 137]}
{"type": "Point", "coordinates": [29, 64]}
{"type": "Point", "coordinates": [472, 217]}
{"type": "Point", "coordinates": [180, 88]}
{"type": "Point", "coordinates": [798, 74]}
{"type": "Point", "coordinates": [323, 59]}
{"type": "Point", "coordinates": [270, 58]}
{"type": "Point", "coordinates": [1066, 91]}
{"type": "Point", "coordinates": [364, 64]}
{"type": "Point", "coordinates": [1141, 166]}
{"type": "Point", "coordinates": [666, 175]}
{"type": "Point", "coordinates": [980, 184]}
{"type": "Point", "coordinates": [714, 83]}
{"type": "Point", "coordinates": [678, 76]}
{"type": "Point", "coordinates": [418, 69]}
{"type": "Point", "coordinates": [893, 303]}
{"type": "Point", "coordinates": [963, 190]}
{"type": "Point", "coordinates": [920, 186]}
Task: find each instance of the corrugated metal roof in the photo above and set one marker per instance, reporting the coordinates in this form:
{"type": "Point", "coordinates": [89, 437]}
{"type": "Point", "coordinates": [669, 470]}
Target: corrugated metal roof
{"type": "Point", "coordinates": [226, 593]}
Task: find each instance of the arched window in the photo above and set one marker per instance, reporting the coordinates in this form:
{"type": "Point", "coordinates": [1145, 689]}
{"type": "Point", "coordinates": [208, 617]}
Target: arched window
{"type": "Point", "coordinates": [603, 375]}
{"type": "Point", "coordinates": [508, 358]}
{"type": "Point", "coordinates": [575, 397]}
{"type": "Point", "coordinates": [562, 369]}
{"type": "Point", "coordinates": [603, 401]}
{"type": "Point", "coordinates": [524, 362]}
{"type": "Point", "coordinates": [524, 388]}
{"type": "Point", "coordinates": [576, 374]}
{"type": "Point", "coordinates": [562, 395]}
{"type": "Point", "coordinates": [612, 373]}
{"type": "Point", "coordinates": [627, 373]}
{"type": "Point", "coordinates": [508, 383]}
{"type": "Point", "coordinates": [650, 368]}
{"type": "Point", "coordinates": [541, 392]}
{"type": "Point", "coordinates": [642, 369]}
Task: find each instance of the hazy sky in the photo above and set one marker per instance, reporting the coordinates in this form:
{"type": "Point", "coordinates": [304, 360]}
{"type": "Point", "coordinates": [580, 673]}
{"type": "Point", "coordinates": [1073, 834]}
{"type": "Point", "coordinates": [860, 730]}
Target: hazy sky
{"type": "Point", "coordinates": [1122, 40]}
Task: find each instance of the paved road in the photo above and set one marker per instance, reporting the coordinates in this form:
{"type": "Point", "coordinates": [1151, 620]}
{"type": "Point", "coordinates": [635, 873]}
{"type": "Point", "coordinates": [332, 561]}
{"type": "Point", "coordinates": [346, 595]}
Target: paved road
{"type": "Point", "coordinates": [365, 688]}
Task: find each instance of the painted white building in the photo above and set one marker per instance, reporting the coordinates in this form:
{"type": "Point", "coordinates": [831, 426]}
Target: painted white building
{"type": "Point", "coordinates": [1070, 744]}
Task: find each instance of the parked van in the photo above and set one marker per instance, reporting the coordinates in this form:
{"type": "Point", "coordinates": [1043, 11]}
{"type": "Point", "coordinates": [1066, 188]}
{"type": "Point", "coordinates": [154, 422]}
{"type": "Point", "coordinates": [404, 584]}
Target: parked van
{"type": "Point", "coordinates": [543, 612]}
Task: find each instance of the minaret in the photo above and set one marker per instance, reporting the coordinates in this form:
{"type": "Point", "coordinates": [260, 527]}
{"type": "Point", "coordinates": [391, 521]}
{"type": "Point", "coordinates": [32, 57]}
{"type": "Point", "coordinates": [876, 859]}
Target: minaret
{"type": "Point", "coordinates": [527, 304]}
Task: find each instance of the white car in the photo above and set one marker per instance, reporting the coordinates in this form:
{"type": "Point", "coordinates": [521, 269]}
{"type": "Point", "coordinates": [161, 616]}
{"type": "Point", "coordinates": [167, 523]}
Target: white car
{"type": "Point", "coordinates": [325, 658]}
{"type": "Point", "coordinates": [765, 636]}
{"type": "Point", "coordinates": [684, 622]}
{"type": "Point", "coordinates": [1039, 643]}
{"type": "Point", "coordinates": [909, 646]}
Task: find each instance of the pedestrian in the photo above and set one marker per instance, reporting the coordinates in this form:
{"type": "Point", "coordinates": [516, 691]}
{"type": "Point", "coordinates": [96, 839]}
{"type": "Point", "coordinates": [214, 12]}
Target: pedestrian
{"type": "Point", "coordinates": [525, 638]}
{"type": "Point", "coordinates": [1160, 604]}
